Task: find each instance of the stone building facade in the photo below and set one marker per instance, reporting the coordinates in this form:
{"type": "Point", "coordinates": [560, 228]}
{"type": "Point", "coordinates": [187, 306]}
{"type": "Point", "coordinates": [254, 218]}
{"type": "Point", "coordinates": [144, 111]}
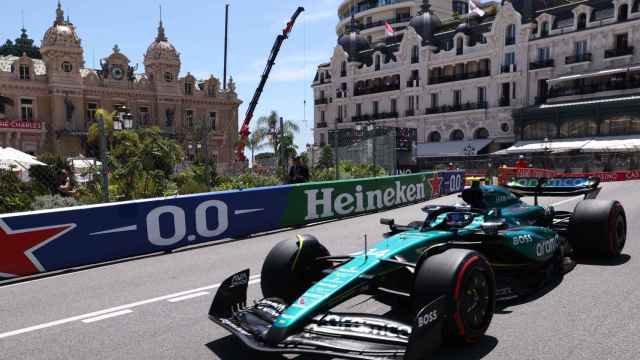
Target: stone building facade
{"type": "Point", "coordinates": [48, 104]}
{"type": "Point", "coordinates": [476, 83]}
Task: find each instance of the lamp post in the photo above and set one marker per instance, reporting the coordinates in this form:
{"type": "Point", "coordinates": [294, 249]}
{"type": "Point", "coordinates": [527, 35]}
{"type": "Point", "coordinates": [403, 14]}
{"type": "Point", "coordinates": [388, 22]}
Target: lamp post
{"type": "Point", "coordinates": [337, 147]}
{"type": "Point", "coordinates": [547, 152]}
{"type": "Point", "coordinates": [103, 159]}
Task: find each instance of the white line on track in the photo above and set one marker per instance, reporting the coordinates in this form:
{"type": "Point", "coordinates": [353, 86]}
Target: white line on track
{"type": "Point", "coordinates": [187, 297]}
{"type": "Point", "coordinates": [253, 280]}
{"type": "Point", "coordinates": [107, 316]}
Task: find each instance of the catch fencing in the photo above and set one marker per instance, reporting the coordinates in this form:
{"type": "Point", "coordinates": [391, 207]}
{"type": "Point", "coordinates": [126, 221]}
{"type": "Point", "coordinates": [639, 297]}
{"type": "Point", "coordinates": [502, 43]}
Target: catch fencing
{"type": "Point", "coordinates": [48, 240]}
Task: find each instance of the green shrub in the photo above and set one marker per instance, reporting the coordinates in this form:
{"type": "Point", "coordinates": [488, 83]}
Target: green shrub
{"type": "Point", "coordinates": [15, 195]}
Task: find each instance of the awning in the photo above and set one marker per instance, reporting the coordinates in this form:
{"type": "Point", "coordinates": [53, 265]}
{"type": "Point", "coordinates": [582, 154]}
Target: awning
{"type": "Point", "coordinates": [589, 102]}
{"type": "Point", "coordinates": [452, 148]}
{"type": "Point", "coordinates": [602, 144]}
{"type": "Point", "coordinates": [594, 74]}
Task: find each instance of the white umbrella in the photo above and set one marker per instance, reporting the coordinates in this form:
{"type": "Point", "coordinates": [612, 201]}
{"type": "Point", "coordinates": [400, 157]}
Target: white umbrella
{"type": "Point", "coordinates": [11, 154]}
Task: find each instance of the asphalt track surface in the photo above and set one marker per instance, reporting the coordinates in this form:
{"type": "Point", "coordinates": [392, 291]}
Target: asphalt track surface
{"type": "Point", "coordinates": [156, 307]}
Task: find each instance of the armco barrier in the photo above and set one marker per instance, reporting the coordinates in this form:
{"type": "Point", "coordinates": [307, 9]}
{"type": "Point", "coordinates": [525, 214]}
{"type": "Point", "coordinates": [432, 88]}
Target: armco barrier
{"type": "Point", "coordinates": [60, 239]}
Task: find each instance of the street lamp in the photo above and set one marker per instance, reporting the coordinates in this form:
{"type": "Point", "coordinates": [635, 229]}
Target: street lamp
{"type": "Point", "coordinates": [547, 152]}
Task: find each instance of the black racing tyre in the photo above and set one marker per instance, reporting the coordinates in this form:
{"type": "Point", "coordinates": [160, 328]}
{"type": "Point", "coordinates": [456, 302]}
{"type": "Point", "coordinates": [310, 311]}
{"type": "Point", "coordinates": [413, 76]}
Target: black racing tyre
{"type": "Point", "coordinates": [468, 282]}
{"type": "Point", "coordinates": [598, 227]}
{"type": "Point", "coordinates": [290, 268]}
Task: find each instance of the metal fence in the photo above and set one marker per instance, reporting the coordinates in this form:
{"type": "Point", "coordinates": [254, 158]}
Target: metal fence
{"type": "Point", "coordinates": [376, 150]}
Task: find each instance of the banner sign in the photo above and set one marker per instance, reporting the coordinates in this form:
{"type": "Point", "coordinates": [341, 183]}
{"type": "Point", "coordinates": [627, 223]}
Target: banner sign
{"type": "Point", "coordinates": [64, 238]}
{"type": "Point", "coordinates": [29, 125]}
{"type": "Point", "coordinates": [506, 174]}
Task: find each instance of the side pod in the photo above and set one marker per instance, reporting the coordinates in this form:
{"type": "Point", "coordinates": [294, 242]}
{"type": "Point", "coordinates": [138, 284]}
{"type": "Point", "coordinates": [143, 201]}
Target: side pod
{"type": "Point", "coordinates": [231, 296]}
{"type": "Point", "coordinates": [426, 333]}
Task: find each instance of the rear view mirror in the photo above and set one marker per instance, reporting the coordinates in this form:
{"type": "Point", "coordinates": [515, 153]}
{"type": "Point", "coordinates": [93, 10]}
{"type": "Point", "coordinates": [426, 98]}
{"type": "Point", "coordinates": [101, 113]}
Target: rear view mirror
{"type": "Point", "coordinates": [388, 222]}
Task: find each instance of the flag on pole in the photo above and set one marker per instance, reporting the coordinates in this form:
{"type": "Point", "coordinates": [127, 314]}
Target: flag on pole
{"type": "Point", "coordinates": [475, 9]}
{"type": "Point", "coordinates": [388, 29]}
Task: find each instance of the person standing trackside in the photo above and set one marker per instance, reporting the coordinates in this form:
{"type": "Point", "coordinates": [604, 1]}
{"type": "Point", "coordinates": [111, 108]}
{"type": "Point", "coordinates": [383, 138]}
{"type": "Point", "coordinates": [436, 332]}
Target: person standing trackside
{"type": "Point", "coordinates": [299, 172]}
{"type": "Point", "coordinates": [521, 163]}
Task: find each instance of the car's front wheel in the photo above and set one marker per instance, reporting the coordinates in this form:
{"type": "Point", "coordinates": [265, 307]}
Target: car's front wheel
{"type": "Point", "coordinates": [291, 267]}
{"type": "Point", "coordinates": [468, 283]}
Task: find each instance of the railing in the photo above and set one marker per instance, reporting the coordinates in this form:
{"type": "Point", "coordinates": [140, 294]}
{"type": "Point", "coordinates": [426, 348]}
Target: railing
{"type": "Point", "coordinates": [541, 64]}
{"type": "Point", "coordinates": [508, 68]}
{"type": "Point", "coordinates": [321, 125]}
{"type": "Point", "coordinates": [367, 6]}
{"type": "Point", "coordinates": [459, 77]}
{"type": "Point", "coordinates": [410, 112]}
{"type": "Point", "coordinates": [454, 108]}
{"type": "Point", "coordinates": [339, 120]}
{"type": "Point", "coordinates": [413, 83]}
{"type": "Point", "coordinates": [343, 73]}
{"type": "Point", "coordinates": [341, 94]}
{"type": "Point", "coordinates": [611, 53]}
{"type": "Point", "coordinates": [390, 21]}
{"type": "Point", "coordinates": [378, 116]}
{"type": "Point", "coordinates": [510, 41]}
{"type": "Point", "coordinates": [578, 58]}
{"type": "Point", "coordinates": [376, 89]}
{"type": "Point", "coordinates": [593, 88]}
{"type": "Point", "coordinates": [322, 101]}
{"type": "Point", "coordinates": [504, 101]}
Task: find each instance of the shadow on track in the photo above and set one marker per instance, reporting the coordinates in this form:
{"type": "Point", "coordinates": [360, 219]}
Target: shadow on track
{"type": "Point", "coordinates": [229, 348]}
{"type": "Point", "coordinates": [620, 260]}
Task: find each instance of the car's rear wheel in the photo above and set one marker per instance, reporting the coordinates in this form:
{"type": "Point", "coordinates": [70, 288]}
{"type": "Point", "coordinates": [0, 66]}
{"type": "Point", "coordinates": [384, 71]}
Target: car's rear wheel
{"type": "Point", "coordinates": [467, 280]}
{"type": "Point", "coordinates": [598, 227]}
{"type": "Point", "coordinates": [291, 267]}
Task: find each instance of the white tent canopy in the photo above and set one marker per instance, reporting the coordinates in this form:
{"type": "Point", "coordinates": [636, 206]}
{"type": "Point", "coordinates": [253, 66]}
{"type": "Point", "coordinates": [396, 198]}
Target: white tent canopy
{"type": "Point", "coordinates": [16, 160]}
{"type": "Point", "coordinates": [603, 144]}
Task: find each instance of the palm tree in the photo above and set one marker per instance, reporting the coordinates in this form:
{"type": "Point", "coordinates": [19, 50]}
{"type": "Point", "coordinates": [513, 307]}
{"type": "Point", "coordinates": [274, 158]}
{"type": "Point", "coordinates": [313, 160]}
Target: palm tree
{"type": "Point", "coordinates": [256, 142]}
{"type": "Point", "coordinates": [290, 129]}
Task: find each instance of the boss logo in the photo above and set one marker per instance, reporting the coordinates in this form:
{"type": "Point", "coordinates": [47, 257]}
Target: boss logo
{"type": "Point", "coordinates": [522, 239]}
{"type": "Point", "coordinates": [427, 318]}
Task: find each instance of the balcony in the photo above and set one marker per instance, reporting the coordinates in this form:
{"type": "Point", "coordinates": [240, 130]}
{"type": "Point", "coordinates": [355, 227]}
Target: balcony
{"type": "Point", "coordinates": [410, 112]}
{"type": "Point", "coordinates": [459, 77]}
{"type": "Point", "coordinates": [376, 89]}
{"type": "Point", "coordinates": [339, 120]}
{"type": "Point", "coordinates": [504, 69]}
{"type": "Point", "coordinates": [586, 89]}
{"type": "Point", "coordinates": [367, 5]}
{"type": "Point", "coordinates": [504, 101]}
{"type": "Point", "coordinates": [322, 101]}
{"type": "Point", "coordinates": [341, 94]}
{"type": "Point", "coordinates": [378, 116]}
{"type": "Point", "coordinates": [574, 59]}
{"type": "Point", "coordinates": [413, 83]}
{"type": "Point", "coordinates": [454, 108]}
{"type": "Point", "coordinates": [321, 125]}
{"type": "Point", "coordinates": [612, 53]}
{"type": "Point", "coordinates": [391, 21]}
{"type": "Point", "coordinates": [541, 64]}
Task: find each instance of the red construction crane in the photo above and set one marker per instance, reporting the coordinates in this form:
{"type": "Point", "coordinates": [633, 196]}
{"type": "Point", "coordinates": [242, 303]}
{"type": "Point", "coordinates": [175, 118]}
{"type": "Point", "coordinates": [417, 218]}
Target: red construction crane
{"type": "Point", "coordinates": [244, 130]}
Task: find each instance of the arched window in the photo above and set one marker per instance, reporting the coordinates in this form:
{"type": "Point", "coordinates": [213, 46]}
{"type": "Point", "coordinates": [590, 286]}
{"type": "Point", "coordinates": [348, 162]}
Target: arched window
{"type": "Point", "coordinates": [459, 46]}
{"type": "Point", "coordinates": [481, 133]}
{"type": "Point", "coordinates": [456, 135]}
{"type": "Point", "coordinates": [415, 55]}
{"type": "Point", "coordinates": [544, 29]}
{"type": "Point", "coordinates": [623, 12]}
{"type": "Point", "coordinates": [582, 21]}
{"type": "Point", "coordinates": [434, 137]}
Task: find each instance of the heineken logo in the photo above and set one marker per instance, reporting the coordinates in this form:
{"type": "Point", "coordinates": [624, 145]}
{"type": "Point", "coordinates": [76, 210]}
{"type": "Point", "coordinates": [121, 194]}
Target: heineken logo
{"type": "Point", "coordinates": [325, 203]}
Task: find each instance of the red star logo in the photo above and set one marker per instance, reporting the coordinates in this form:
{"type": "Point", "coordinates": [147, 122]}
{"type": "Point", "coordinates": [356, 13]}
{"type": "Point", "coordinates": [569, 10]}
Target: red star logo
{"type": "Point", "coordinates": [17, 247]}
{"type": "Point", "coordinates": [435, 186]}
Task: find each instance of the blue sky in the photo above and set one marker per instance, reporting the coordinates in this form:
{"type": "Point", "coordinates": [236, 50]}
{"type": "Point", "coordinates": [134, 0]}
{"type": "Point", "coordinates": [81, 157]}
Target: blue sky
{"type": "Point", "coordinates": [195, 27]}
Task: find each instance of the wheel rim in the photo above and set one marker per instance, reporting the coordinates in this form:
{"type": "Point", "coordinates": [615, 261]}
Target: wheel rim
{"type": "Point", "coordinates": [621, 233]}
{"type": "Point", "coordinates": [474, 303]}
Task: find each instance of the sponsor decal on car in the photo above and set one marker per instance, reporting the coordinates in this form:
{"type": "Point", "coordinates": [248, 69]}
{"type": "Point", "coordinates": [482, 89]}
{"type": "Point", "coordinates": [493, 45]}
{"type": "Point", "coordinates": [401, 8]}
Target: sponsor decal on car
{"type": "Point", "coordinates": [522, 239]}
{"type": "Point", "coordinates": [338, 324]}
{"type": "Point", "coordinates": [548, 246]}
{"type": "Point", "coordinates": [427, 318]}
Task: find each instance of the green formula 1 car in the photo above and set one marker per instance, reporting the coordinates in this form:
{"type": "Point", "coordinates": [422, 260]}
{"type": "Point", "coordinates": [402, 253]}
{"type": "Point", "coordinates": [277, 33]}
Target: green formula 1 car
{"type": "Point", "coordinates": [440, 276]}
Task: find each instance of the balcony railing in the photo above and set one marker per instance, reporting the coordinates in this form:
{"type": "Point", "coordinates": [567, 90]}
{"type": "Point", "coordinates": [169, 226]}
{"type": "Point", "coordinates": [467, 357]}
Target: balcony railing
{"type": "Point", "coordinates": [459, 77]}
{"type": "Point", "coordinates": [341, 94]}
{"type": "Point", "coordinates": [376, 89]}
{"type": "Point", "coordinates": [410, 112]}
{"type": "Point", "coordinates": [378, 116]}
{"type": "Point", "coordinates": [391, 21]}
{"type": "Point", "coordinates": [339, 120]}
{"type": "Point", "coordinates": [508, 68]}
{"type": "Point", "coordinates": [453, 108]}
{"type": "Point", "coordinates": [510, 41]}
{"type": "Point", "coordinates": [578, 58]}
{"type": "Point", "coordinates": [586, 89]}
{"type": "Point", "coordinates": [321, 125]}
{"type": "Point", "coordinates": [413, 83]}
{"type": "Point", "coordinates": [611, 53]}
{"type": "Point", "coordinates": [504, 101]}
{"type": "Point", "coordinates": [541, 64]}
{"type": "Point", "coordinates": [322, 101]}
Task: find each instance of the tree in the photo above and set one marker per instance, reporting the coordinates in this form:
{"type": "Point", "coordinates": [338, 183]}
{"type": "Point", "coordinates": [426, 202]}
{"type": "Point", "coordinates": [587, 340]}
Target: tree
{"type": "Point", "coordinates": [326, 157]}
{"type": "Point", "coordinates": [256, 142]}
{"type": "Point", "coordinates": [289, 129]}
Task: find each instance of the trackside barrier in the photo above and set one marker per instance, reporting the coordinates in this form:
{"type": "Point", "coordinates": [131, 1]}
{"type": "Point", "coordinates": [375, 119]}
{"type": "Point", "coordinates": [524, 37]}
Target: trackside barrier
{"type": "Point", "coordinates": [59, 239]}
{"type": "Point", "coordinates": [507, 173]}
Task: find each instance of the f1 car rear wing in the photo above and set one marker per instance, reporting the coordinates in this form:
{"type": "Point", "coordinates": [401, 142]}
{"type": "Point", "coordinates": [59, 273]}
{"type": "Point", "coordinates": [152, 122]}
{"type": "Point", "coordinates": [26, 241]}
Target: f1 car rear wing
{"type": "Point", "coordinates": [560, 186]}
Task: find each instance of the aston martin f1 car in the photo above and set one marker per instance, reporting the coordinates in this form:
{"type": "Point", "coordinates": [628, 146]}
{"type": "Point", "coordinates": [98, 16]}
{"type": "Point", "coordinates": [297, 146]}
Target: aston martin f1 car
{"type": "Point", "coordinates": [441, 277]}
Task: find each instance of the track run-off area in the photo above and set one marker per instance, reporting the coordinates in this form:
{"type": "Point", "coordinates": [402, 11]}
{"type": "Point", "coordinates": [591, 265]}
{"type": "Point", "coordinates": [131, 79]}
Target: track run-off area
{"type": "Point", "coordinates": [155, 307]}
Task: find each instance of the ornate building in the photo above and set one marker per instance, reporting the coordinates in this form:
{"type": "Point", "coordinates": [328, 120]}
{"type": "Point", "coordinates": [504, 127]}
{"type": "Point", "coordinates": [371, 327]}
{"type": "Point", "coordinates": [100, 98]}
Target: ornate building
{"type": "Point", "coordinates": [520, 70]}
{"type": "Point", "coordinates": [48, 104]}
